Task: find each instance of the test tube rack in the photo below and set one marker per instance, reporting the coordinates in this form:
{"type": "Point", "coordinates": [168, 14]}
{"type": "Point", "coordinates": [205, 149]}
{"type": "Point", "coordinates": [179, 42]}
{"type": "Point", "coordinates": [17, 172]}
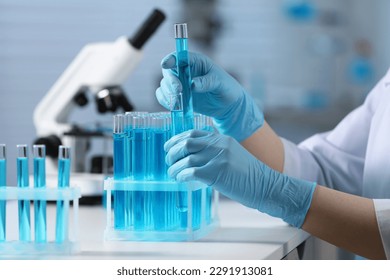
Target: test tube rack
{"type": "Point", "coordinates": [167, 222]}
{"type": "Point", "coordinates": [147, 204]}
{"type": "Point", "coordinates": [21, 249]}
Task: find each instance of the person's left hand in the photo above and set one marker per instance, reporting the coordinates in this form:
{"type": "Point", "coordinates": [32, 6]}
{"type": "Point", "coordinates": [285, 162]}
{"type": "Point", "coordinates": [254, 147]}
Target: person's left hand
{"type": "Point", "coordinates": [221, 162]}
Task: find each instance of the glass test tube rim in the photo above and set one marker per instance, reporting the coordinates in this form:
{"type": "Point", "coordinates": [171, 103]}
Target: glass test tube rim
{"type": "Point", "coordinates": [181, 30]}
{"type": "Point", "coordinates": [64, 152]}
{"type": "Point", "coordinates": [22, 150]}
{"type": "Point", "coordinates": [39, 151]}
{"type": "Point", "coordinates": [119, 123]}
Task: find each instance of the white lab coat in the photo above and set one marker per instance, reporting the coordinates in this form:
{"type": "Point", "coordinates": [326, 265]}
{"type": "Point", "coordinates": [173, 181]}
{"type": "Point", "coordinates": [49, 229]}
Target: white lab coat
{"type": "Point", "coordinates": [354, 157]}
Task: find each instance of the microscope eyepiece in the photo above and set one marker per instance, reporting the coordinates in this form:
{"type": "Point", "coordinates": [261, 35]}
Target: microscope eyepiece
{"type": "Point", "coordinates": [147, 29]}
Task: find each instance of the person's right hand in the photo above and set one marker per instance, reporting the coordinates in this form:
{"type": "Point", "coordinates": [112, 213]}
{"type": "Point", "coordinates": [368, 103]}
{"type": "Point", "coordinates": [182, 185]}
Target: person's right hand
{"type": "Point", "coordinates": [215, 93]}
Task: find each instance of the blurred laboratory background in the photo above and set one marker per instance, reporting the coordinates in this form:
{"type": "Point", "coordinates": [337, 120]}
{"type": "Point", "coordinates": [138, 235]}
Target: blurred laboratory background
{"type": "Point", "coordinates": [306, 62]}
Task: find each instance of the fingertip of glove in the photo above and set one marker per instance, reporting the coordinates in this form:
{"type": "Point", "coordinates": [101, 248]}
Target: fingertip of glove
{"type": "Point", "coordinates": [184, 176]}
{"type": "Point", "coordinates": [169, 61]}
{"type": "Point", "coordinates": [161, 98]}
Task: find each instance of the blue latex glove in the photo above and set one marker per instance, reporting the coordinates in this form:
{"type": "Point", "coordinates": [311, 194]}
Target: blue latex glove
{"type": "Point", "coordinates": [215, 93]}
{"type": "Point", "coordinates": [221, 162]}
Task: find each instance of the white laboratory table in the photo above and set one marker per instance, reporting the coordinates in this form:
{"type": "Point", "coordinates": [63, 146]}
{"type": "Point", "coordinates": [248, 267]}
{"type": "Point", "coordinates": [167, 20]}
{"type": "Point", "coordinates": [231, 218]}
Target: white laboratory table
{"type": "Point", "coordinates": [242, 233]}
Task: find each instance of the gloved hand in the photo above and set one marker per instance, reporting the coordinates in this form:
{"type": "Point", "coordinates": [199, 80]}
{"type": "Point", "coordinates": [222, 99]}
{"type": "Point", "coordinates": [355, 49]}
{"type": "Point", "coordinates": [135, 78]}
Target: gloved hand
{"type": "Point", "coordinates": [215, 93]}
{"type": "Point", "coordinates": [221, 162]}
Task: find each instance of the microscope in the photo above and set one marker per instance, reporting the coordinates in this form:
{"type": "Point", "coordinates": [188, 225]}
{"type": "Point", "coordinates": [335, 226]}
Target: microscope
{"type": "Point", "coordinates": [99, 69]}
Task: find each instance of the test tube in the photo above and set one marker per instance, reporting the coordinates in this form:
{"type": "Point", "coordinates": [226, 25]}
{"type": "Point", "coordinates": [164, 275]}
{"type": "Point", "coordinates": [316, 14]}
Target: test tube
{"type": "Point", "coordinates": [128, 128]}
{"type": "Point", "coordinates": [186, 115]}
{"type": "Point", "coordinates": [129, 135]}
{"type": "Point", "coordinates": [177, 118]}
{"type": "Point", "coordinates": [158, 170]}
{"type": "Point", "coordinates": [209, 190]}
{"type": "Point", "coordinates": [119, 170]}
{"type": "Point", "coordinates": [158, 137]}
{"type": "Point", "coordinates": [3, 183]}
{"type": "Point", "coordinates": [22, 182]}
{"type": "Point", "coordinates": [141, 199]}
{"type": "Point", "coordinates": [63, 205]}
{"type": "Point", "coordinates": [39, 154]}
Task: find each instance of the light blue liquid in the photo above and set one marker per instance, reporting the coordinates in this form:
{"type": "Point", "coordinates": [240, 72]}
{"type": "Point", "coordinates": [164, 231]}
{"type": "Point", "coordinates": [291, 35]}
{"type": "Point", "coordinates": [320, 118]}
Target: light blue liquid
{"type": "Point", "coordinates": [209, 190]}
{"type": "Point", "coordinates": [196, 211]}
{"type": "Point", "coordinates": [119, 174]}
{"type": "Point", "coordinates": [157, 163]}
{"type": "Point", "coordinates": [139, 152]}
{"type": "Point", "coordinates": [184, 74]}
{"type": "Point", "coordinates": [128, 195]}
{"type": "Point", "coordinates": [128, 216]}
{"type": "Point", "coordinates": [63, 173]}
{"type": "Point", "coordinates": [209, 198]}
{"type": "Point", "coordinates": [196, 208]}
{"type": "Point", "coordinates": [62, 206]}
{"type": "Point", "coordinates": [183, 120]}
{"type": "Point", "coordinates": [23, 205]}
{"type": "Point", "coordinates": [40, 205]}
{"type": "Point", "coordinates": [3, 183]}
{"type": "Point", "coordinates": [177, 122]}
{"type": "Point", "coordinates": [163, 209]}
{"type": "Point", "coordinates": [141, 199]}
{"type": "Point", "coordinates": [128, 151]}
{"type": "Point", "coordinates": [178, 127]}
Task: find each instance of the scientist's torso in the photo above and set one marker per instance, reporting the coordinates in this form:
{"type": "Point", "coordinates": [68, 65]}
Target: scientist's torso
{"type": "Point", "coordinates": [376, 177]}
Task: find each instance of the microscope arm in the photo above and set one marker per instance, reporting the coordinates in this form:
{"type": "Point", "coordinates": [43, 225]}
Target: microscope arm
{"type": "Point", "coordinates": [96, 66]}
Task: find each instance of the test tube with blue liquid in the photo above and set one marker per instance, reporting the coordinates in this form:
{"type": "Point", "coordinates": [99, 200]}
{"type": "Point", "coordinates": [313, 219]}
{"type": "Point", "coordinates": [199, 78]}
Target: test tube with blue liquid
{"type": "Point", "coordinates": [158, 170]}
{"type": "Point", "coordinates": [128, 195]}
{"type": "Point", "coordinates": [209, 190]}
{"type": "Point", "coordinates": [182, 112]}
{"type": "Point", "coordinates": [39, 154]}
{"type": "Point", "coordinates": [3, 183]}
{"type": "Point", "coordinates": [203, 122]}
{"type": "Point", "coordinates": [177, 127]}
{"type": "Point", "coordinates": [141, 199]}
{"type": "Point", "coordinates": [63, 182]}
{"type": "Point", "coordinates": [23, 182]}
{"type": "Point", "coordinates": [119, 139]}
{"type": "Point", "coordinates": [128, 129]}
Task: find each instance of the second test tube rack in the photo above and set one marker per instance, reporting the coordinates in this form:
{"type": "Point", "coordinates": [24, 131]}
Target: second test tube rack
{"type": "Point", "coordinates": [14, 248]}
{"type": "Point", "coordinates": [16, 231]}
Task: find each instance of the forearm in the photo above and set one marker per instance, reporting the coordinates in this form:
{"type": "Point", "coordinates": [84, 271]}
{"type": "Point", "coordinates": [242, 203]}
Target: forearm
{"type": "Point", "coordinates": [345, 220]}
{"type": "Point", "coordinates": [266, 146]}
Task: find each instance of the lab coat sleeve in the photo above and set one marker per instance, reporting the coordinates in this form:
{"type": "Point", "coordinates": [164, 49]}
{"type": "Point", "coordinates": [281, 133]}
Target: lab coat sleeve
{"type": "Point", "coordinates": [336, 158]}
{"type": "Point", "coordinates": [318, 160]}
{"type": "Point", "coordinates": [382, 209]}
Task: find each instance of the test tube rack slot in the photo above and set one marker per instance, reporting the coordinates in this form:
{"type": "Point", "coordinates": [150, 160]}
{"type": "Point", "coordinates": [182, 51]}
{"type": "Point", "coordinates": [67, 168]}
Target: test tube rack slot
{"type": "Point", "coordinates": [15, 249]}
{"type": "Point", "coordinates": [164, 223]}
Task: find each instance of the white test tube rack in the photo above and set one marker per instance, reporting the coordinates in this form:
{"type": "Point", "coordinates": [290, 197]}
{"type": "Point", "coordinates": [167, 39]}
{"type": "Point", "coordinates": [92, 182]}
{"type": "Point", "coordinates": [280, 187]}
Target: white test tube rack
{"type": "Point", "coordinates": [11, 249]}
